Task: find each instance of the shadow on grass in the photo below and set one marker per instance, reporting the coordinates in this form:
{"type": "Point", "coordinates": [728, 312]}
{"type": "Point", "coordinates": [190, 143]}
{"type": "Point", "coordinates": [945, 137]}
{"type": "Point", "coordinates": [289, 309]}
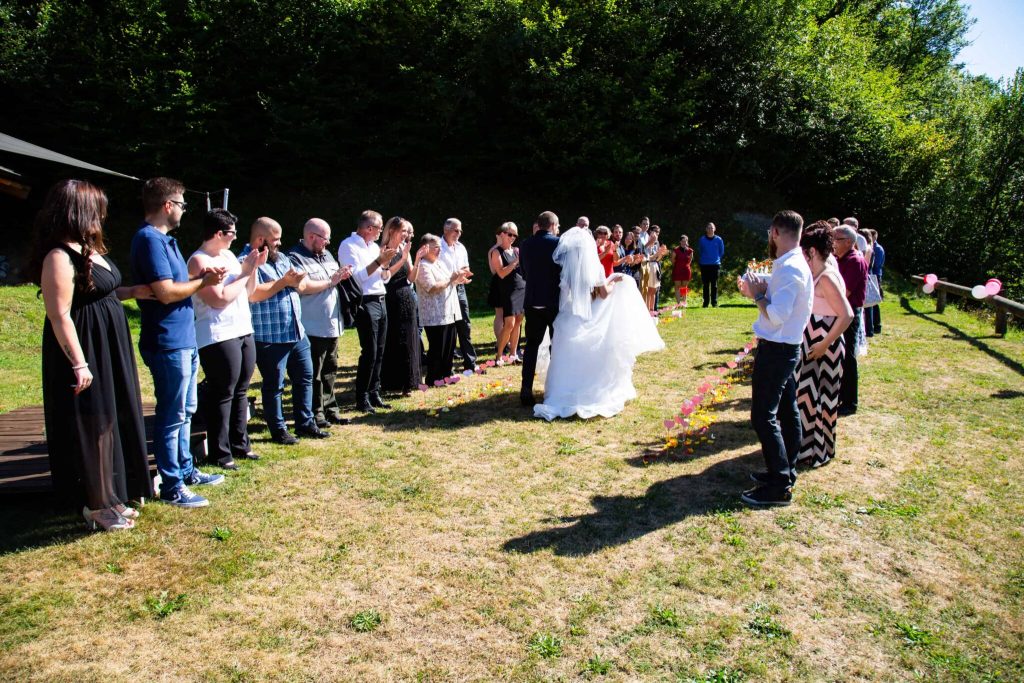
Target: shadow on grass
{"type": "Point", "coordinates": [617, 520]}
{"type": "Point", "coordinates": [36, 520]}
{"type": "Point", "coordinates": [1007, 393]}
{"type": "Point", "coordinates": [498, 407]}
{"type": "Point", "coordinates": [957, 333]}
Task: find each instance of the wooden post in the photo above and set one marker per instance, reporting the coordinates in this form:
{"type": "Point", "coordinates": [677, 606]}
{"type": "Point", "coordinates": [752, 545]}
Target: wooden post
{"type": "Point", "coordinates": [940, 301]}
{"type": "Point", "coordinates": [1002, 317]}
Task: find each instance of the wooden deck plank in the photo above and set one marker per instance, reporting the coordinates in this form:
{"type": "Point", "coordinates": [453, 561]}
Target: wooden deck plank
{"type": "Point", "coordinates": [24, 461]}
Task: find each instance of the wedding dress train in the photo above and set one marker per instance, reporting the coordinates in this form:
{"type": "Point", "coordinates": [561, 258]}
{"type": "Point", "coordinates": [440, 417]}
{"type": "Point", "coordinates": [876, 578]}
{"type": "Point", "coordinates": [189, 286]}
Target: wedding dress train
{"type": "Point", "coordinates": [596, 341]}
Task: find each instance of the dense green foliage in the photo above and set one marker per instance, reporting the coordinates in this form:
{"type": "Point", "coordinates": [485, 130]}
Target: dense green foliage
{"type": "Point", "coordinates": [838, 107]}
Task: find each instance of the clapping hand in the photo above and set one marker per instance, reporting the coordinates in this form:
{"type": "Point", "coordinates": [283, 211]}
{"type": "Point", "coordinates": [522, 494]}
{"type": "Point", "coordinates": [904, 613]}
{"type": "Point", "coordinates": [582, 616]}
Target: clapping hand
{"type": "Point", "coordinates": [342, 273]}
{"type": "Point", "coordinates": [386, 255]}
{"type": "Point", "coordinates": [293, 277]}
{"type": "Point", "coordinates": [213, 275]}
{"type": "Point", "coordinates": [252, 261]}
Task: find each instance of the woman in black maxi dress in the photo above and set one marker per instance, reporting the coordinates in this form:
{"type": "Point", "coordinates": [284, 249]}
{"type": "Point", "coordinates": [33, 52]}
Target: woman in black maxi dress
{"type": "Point", "coordinates": [95, 438]}
{"type": "Point", "coordinates": [401, 370]}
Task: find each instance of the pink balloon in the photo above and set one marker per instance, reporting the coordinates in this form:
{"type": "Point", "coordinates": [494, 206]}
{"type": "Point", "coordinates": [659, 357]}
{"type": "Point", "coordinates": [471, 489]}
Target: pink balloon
{"type": "Point", "coordinates": [423, 387]}
{"type": "Point", "coordinates": [731, 364]}
{"type": "Point", "coordinates": [669, 424]}
{"type": "Point", "coordinates": [993, 288]}
{"type": "Point", "coordinates": [722, 371]}
{"type": "Point", "coordinates": [931, 279]}
{"type": "Point", "coordinates": [687, 410]}
{"type": "Point", "coordinates": [928, 289]}
{"type": "Point", "coordinates": [438, 382]}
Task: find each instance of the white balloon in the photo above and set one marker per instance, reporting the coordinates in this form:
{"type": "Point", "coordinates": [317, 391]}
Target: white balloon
{"type": "Point", "coordinates": [928, 288]}
{"type": "Point", "coordinates": [978, 292]}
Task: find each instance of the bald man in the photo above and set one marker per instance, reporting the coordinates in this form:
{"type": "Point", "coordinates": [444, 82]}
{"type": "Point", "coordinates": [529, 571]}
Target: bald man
{"type": "Point", "coordinates": [321, 315]}
{"type": "Point", "coordinates": [281, 341]}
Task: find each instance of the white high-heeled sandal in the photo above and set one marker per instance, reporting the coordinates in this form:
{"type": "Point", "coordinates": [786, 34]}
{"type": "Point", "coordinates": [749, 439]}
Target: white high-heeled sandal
{"type": "Point", "coordinates": [108, 519]}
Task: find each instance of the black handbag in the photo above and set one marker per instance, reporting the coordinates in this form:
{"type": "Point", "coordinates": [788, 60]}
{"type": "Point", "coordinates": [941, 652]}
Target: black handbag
{"type": "Point", "coordinates": [351, 300]}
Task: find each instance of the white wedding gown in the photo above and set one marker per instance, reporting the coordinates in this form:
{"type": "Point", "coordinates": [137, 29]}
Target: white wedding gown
{"type": "Point", "coordinates": [596, 341]}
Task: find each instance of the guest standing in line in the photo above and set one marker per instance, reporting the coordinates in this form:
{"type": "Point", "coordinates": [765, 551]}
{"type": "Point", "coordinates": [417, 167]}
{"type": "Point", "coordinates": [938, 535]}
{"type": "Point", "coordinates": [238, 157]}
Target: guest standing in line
{"type": "Point", "coordinates": [227, 350]}
{"type": "Point", "coordinates": [653, 253]}
{"type": "Point", "coordinates": [606, 249]}
{"type": "Point", "coordinates": [401, 370]}
{"type": "Point", "coordinates": [369, 268]}
{"type": "Point", "coordinates": [682, 257]}
{"type": "Point", "coordinates": [855, 276]}
{"type": "Point", "coordinates": [494, 293]}
{"type": "Point", "coordinates": [630, 257]}
{"type": "Point", "coordinates": [320, 306]}
{"type": "Point", "coordinates": [711, 249]}
{"type": "Point", "coordinates": [873, 315]}
{"type": "Point", "coordinates": [540, 300]}
{"type": "Point", "coordinates": [784, 304]}
{"type": "Point", "coordinates": [511, 290]}
{"type": "Point", "coordinates": [457, 259]}
{"type": "Point", "coordinates": [820, 372]}
{"type": "Point", "coordinates": [167, 340]}
{"type": "Point", "coordinates": [282, 344]}
{"type": "Point", "coordinates": [96, 439]}
{"type": "Point", "coordinates": [439, 306]}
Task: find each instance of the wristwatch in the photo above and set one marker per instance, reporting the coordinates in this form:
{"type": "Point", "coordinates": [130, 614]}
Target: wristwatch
{"type": "Point", "coordinates": [759, 297]}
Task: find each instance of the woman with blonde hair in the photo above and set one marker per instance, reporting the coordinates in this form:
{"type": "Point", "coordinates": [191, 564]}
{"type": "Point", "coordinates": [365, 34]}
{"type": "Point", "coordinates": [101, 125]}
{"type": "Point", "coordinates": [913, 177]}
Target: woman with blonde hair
{"type": "Point", "coordinates": [401, 369]}
{"type": "Point", "coordinates": [504, 262]}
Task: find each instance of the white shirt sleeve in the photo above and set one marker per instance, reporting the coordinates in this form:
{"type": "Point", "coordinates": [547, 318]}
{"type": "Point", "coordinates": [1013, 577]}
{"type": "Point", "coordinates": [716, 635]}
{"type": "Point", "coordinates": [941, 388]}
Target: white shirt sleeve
{"type": "Point", "coordinates": [783, 299]}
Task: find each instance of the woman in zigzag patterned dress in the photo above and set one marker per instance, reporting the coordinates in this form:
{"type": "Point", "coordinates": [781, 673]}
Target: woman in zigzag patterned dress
{"type": "Point", "coordinates": [820, 371]}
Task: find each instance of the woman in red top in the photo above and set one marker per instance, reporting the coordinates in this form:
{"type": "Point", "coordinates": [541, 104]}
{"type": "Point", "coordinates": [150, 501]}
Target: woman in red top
{"type": "Point", "coordinates": [682, 256]}
{"type": "Point", "coordinates": [605, 248]}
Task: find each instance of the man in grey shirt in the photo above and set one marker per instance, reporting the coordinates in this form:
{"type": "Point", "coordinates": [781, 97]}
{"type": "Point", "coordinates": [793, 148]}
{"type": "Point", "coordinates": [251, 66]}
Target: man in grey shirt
{"type": "Point", "coordinates": [321, 315]}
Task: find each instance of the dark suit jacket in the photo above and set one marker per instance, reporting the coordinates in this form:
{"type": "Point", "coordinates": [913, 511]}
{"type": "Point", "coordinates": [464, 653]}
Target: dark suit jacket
{"type": "Point", "coordinates": [540, 270]}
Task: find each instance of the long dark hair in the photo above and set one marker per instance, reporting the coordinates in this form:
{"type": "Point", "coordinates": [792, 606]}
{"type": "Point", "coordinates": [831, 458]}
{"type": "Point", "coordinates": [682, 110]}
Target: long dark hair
{"type": "Point", "coordinates": [73, 213]}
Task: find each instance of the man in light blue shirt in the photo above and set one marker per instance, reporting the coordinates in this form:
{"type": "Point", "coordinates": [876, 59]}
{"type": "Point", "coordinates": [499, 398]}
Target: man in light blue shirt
{"type": "Point", "coordinates": [784, 303]}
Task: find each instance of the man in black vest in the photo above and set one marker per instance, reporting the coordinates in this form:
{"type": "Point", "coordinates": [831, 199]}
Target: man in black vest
{"type": "Point", "coordinates": [541, 300]}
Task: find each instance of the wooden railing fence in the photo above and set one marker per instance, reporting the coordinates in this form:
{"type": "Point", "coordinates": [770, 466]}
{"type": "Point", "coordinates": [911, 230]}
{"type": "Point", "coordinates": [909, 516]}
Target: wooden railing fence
{"type": "Point", "coordinates": [1004, 307]}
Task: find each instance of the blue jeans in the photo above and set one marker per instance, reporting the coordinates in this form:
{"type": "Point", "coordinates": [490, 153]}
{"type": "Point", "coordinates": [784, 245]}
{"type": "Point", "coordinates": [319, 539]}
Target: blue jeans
{"type": "Point", "coordinates": [174, 382]}
{"type": "Point", "coordinates": [273, 360]}
{"type": "Point", "coordinates": [773, 410]}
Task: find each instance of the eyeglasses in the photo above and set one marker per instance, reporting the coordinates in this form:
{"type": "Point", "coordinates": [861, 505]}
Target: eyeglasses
{"type": "Point", "coordinates": [316, 234]}
{"type": "Point", "coordinates": [183, 205]}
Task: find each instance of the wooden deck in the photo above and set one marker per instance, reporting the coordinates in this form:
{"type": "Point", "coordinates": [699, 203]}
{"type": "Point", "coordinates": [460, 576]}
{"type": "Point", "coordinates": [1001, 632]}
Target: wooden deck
{"type": "Point", "coordinates": [24, 462]}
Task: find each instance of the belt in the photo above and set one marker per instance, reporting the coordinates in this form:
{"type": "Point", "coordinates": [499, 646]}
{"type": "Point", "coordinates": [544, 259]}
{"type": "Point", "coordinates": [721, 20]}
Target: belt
{"type": "Point", "coordinates": [768, 342]}
{"type": "Point", "coordinates": [372, 297]}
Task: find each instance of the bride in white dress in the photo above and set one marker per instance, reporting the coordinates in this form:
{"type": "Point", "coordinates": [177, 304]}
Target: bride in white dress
{"type": "Point", "coordinates": [602, 326]}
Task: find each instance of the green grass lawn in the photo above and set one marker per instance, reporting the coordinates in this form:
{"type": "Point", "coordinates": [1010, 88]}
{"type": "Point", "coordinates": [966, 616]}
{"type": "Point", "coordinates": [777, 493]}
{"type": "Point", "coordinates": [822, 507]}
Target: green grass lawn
{"type": "Point", "coordinates": [480, 544]}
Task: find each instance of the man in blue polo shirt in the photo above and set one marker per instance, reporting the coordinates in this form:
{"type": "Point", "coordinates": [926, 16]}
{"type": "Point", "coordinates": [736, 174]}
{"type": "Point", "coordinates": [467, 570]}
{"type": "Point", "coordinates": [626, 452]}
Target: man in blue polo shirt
{"type": "Point", "coordinates": [167, 340]}
{"type": "Point", "coordinates": [711, 250]}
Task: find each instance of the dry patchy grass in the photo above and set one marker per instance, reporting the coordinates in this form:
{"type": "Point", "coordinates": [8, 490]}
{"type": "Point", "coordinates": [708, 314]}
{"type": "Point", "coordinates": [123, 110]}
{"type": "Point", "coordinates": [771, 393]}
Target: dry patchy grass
{"type": "Point", "coordinates": [480, 544]}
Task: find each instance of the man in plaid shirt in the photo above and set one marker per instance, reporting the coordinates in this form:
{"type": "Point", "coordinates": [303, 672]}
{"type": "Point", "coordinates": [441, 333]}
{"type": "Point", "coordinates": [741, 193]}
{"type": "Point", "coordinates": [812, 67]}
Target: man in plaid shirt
{"type": "Point", "coordinates": [281, 341]}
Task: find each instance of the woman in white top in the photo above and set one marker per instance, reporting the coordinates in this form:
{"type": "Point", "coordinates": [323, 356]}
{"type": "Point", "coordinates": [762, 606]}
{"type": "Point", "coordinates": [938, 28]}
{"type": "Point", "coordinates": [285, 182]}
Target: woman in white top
{"type": "Point", "coordinates": [439, 306]}
{"type": "Point", "coordinates": [227, 351]}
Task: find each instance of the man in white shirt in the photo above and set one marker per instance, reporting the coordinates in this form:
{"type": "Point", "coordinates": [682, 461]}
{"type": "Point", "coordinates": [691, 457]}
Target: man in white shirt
{"type": "Point", "coordinates": [784, 303]}
{"type": "Point", "coordinates": [643, 236]}
{"type": "Point", "coordinates": [369, 268]}
{"type": "Point", "coordinates": [455, 256]}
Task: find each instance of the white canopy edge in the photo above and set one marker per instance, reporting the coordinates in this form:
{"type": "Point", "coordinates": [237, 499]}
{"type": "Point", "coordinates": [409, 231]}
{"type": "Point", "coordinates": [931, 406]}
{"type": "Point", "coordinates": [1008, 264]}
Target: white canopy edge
{"type": "Point", "coordinates": [16, 146]}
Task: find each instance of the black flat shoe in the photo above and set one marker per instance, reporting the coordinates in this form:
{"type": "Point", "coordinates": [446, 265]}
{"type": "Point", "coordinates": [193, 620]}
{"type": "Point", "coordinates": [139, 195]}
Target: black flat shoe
{"type": "Point", "coordinates": [228, 464]}
{"type": "Point", "coordinates": [247, 456]}
{"type": "Point", "coordinates": [339, 419]}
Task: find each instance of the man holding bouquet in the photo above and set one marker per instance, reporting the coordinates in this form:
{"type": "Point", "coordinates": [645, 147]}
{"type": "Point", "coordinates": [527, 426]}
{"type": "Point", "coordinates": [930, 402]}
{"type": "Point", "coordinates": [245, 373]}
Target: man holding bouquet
{"type": "Point", "coordinates": [784, 303]}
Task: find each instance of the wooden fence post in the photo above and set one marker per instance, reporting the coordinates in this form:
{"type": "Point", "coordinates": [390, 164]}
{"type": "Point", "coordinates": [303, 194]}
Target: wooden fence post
{"type": "Point", "coordinates": [940, 301]}
{"type": "Point", "coordinates": [1002, 317]}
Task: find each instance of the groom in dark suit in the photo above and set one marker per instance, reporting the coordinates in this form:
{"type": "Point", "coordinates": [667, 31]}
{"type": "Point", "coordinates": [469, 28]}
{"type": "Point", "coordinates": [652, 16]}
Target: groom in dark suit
{"type": "Point", "coordinates": [541, 300]}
